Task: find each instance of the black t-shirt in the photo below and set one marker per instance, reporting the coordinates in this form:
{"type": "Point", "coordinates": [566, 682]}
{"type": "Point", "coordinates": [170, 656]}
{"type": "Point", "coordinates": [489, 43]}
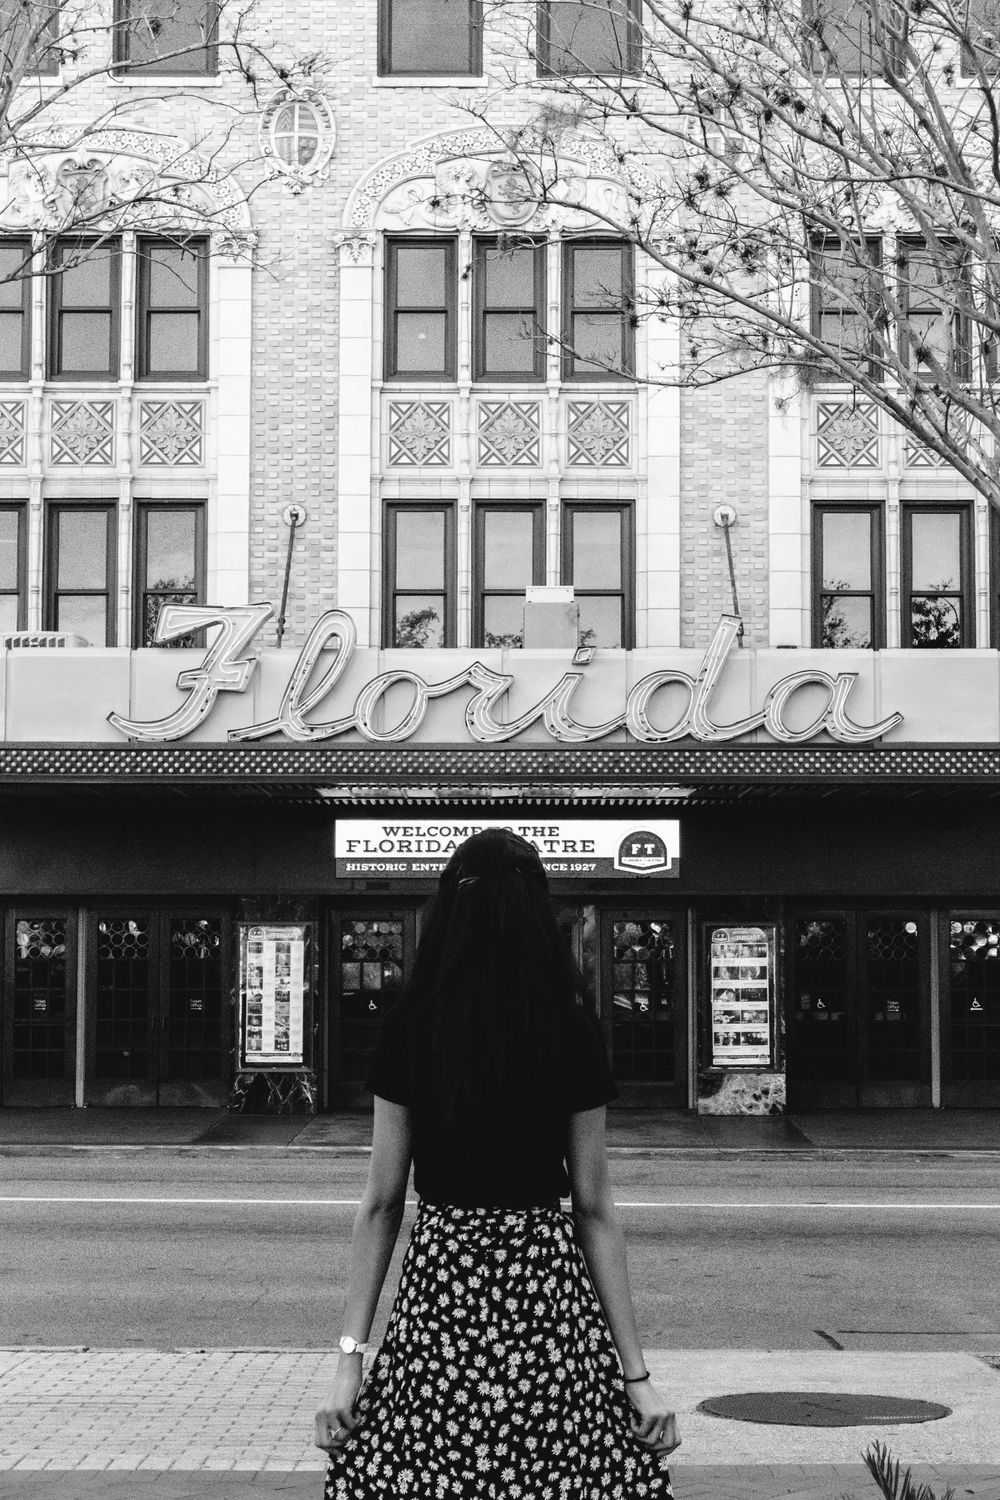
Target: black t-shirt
{"type": "Point", "coordinates": [513, 1158]}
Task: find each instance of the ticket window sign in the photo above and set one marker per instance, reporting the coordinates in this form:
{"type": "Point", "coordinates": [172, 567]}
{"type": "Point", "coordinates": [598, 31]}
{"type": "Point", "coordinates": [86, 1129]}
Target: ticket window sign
{"type": "Point", "coordinates": [741, 989]}
{"type": "Point", "coordinates": [275, 993]}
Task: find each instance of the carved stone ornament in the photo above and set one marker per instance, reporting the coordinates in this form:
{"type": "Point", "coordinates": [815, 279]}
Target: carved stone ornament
{"type": "Point", "coordinates": [847, 435]}
{"type": "Point", "coordinates": [115, 180]}
{"type": "Point", "coordinates": [461, 181]}
{"type": "Point", "coordinates": [297, 135]}
{"type": "Point", "coordinates": [82, 432]}
{"type": "Point", "coordinates": [509, 434]}
{"type": "Point", "coordinates": [12, 432]}
{"type": "Point", "coordinates": [419, 434]}
{"type": "Point", "coordinates": [355, 248]}
{"type": "Point", "coordinates": [597, 434]}
{"type": "Point", "coordinates": [171, 433]}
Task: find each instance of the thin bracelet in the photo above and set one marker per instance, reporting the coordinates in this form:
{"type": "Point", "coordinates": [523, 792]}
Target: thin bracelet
{"type": "Point", "coordinates": [636, 1379]}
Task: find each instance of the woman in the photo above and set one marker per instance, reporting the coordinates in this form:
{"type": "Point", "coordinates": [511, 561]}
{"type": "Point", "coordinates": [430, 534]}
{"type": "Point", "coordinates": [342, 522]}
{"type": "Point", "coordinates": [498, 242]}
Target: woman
{"type": "Point", "coordinates": [501, 1373]}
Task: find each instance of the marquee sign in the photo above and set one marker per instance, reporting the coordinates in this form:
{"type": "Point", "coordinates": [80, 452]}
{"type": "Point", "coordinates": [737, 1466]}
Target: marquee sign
{"type": "Point", "coordinates": [421, 847]}
{"type": "Point", "coordinates": [311, 693]}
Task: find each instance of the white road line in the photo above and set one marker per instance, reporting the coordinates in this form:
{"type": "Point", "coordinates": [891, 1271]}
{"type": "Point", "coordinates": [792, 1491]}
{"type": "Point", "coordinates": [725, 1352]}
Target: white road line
{"type": "Point", "coordinates": [412, 1203]}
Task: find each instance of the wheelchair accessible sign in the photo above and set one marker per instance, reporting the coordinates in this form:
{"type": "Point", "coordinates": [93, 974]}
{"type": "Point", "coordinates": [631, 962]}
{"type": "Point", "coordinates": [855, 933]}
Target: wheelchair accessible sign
{"type": "Point", "coordinates": [584, 849]}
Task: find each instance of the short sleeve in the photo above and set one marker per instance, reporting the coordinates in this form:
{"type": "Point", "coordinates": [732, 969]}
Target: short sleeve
{"type": "Point", "coordinates": [589, 1083]}
{"type": "Point", "coordinates": [389, 1072]}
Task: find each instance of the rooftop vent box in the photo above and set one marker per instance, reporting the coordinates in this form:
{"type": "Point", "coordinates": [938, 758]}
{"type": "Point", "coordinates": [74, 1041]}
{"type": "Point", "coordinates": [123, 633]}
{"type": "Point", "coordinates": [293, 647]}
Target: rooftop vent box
{"type": "Point", "coordinates": [21, 640]}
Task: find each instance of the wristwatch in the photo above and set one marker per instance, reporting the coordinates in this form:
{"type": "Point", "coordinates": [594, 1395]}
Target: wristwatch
{"type": "Point", "coordinates": [351, 1346]}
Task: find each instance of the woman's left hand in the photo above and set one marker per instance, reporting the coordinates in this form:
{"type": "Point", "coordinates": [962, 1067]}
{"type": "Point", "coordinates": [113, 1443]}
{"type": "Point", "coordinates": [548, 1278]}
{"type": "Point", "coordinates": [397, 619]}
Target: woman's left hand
{"type": "Point", "coordinates": [336, 1420]}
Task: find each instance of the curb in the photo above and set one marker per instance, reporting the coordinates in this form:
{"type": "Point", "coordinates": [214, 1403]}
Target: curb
{"type": "Point", "coordinates": [690, 1153]}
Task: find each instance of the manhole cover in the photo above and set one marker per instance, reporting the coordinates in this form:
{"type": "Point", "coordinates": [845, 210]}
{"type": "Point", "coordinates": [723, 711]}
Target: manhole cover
{"type": "Point", "coordinates": [822, 1409]}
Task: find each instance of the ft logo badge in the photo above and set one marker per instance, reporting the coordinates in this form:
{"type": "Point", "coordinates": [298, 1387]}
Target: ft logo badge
{"type": "Point", "coordinates": [642, 851]}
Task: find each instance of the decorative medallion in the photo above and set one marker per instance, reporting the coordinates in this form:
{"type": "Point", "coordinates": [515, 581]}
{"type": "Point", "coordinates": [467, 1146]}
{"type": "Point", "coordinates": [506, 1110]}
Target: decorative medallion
{"type": "Point", "coordinates": [419, 434]}
{"type": "Point", "coordinates": [12, 415]}
{"type": "Point", "coordinates": [171, 432]}
{"type": "Point", "coordinates": [297, 136]}
{"type": "Point", "coordinates": [847, 435]}
{"type": "Point", "coordinates": [509, 434]}
{"type": "Point", "coordinates": [597, 434]}
{"type": "Point", "coordinates": [82, 432]}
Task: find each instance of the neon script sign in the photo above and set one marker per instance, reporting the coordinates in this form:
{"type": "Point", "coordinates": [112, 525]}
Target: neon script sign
{"type": "Point", "coordinates": [226, 668]}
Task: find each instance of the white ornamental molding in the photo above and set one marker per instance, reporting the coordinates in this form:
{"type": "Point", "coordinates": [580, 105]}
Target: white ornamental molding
{"type": "Point", "coordinates": [917, 455]}
{"type": "Point", "coordinates": [598, 434]}
{"type": "Point", "coordinates": [118, 179]}
{"type": "Point", "coordinates": [468, 180]}
{"type": "Point", "coordinates": [509, 434]}
{"type": "Point", "coordinates": [419, 434]}
{"type": "Point", "coordinates": [171, 433]}
{"type": "Point", "coordinates": [12, 420]}
{"type": "Point", "coordinates": [847, 435]}
{"type": "Point", "coordinates": [82, 432]}
{"type": "Point", "coordinates": [355, 249]}
{"type": "Point", "coordinates": [297, 135]}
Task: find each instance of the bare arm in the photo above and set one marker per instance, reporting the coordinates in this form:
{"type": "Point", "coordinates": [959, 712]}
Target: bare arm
{"type": "Point", "coordinates": [601, 1239]}
{"type": "Point", "coordinates": [373, 1239]}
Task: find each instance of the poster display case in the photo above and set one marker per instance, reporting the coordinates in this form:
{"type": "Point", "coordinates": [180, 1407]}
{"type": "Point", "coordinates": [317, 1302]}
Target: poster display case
{"type": "Point", "coordinates": [275, 982]}
{"type": "Point", "coordinates": [741, 991]}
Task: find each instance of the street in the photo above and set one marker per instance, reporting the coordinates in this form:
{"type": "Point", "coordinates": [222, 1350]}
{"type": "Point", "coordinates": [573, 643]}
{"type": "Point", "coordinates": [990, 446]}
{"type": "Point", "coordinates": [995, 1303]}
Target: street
{"type": "Point", "coordinates": [163, 1249]}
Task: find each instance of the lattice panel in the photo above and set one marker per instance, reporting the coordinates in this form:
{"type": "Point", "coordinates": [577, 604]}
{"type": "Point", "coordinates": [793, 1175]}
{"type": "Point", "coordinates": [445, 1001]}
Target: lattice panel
{"type": "Point", "coordinates": [510, 434]}
{"type": "Point", "coordinates": [12, 415]}
{"type": "Point", "coordinates": [82, 432]}
{"type": "Point", "coordinates": [419, 434]}
{"type": "Point", "coordinates": [598, 434]}
{"type": "Point", "coordinates": [847, 435]}
{"type": "Point", "coordinates": [172, 433]}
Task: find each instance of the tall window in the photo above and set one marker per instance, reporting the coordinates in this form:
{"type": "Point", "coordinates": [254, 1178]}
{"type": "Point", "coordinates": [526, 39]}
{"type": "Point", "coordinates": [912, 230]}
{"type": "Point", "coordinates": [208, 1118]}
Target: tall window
{"type": "Point", "coordinates": [597, 309]}
{"type": "Point", "coordinates": [420, 309]}
{"type": "Point", "coordinates": [509, 555]}
{"type": "Point", "coordinates": [420, 574]}
{"type": "Point", "coordinates": [172, 310]}
{"type": "Point", "coordinates": [844, 300]}
{"type": "Point", "coordinates": [29, 36]}
{"type": "Point", "coordinates": [429, 37]}
{"type": "Point", "coordinates": [981, 46]}
{"type": "Point", "coordinates": [169, 564]}
{"type": "Point", "coordinates": [15, 309]}
{"type": "Point", "coordinates": [937, 577]}
{"type": "Point", "coordinates": [84, 310]}
{"type": "Point", "coordinates": [80, 572]}
{"type": "Point", "coordinates": [853, 37]}
{"type": "Point", "coordinates": [934, 291]}
{"type": "Point", "coordinates": [578, 37]}
{"type": "Point", "coordinates": [509, 334]}
{"type": "Point", "coordinates": [12, 568]}
{"type": "Point", "coordinates": [848, 609]}
{"type": "Point", "coordinates": [597, 559]}
{"type": "Point", "coordinates": [166, 36]}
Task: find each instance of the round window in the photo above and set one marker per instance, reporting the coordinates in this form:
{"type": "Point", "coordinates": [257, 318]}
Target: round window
{"type": "Point", "coordinates": [295, 134]}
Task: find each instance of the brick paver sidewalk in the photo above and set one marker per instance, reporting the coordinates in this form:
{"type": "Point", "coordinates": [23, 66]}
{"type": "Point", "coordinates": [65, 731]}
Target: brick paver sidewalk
{"type": "Point", "coordinates": [231, 1423]}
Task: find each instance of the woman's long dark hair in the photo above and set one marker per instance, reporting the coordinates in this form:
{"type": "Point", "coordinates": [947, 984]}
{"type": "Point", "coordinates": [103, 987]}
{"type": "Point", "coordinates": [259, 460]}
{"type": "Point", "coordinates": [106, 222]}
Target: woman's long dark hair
{"type": "Point", "coordinates": [493, 978]}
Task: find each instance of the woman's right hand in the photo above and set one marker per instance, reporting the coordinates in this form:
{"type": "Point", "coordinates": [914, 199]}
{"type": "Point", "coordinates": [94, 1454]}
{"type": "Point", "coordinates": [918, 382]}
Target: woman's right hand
{"type": "Point", "coordinates": [336, 1420]}
{"type": "Point", "coordinates": [654, 1424]}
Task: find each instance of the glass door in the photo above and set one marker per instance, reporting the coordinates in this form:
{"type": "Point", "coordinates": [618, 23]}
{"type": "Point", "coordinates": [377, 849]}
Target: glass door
{"type": "Point", "coordinates": [371, 953]}
{"type": "Point", "coordinates": [858, 1029]}
{"type": "Point", "coordinates": [159, 1011]}
{"type": "Point", "coordinates": [644, 1005]}
{"type": "Point", "coordinates": [39, 1008]}
{"type": "Point", "coordinates": [970, 1052]}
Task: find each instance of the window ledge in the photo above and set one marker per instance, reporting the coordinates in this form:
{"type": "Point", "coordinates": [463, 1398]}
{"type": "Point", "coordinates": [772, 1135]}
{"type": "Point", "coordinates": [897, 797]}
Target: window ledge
{"type": "Point", "coordinates": [168, 81]}
{"type": "Point", "coordinates": [419, 81]}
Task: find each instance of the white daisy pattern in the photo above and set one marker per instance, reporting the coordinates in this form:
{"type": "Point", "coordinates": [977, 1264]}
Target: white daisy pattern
{"type": "Point", "coordinates": [498, 1378]}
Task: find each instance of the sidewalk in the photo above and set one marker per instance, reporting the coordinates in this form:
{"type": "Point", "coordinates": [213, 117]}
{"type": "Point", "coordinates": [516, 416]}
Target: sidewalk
{"type": "Point", "coordinates": [923, 1130]}
{"type": "Point", "coordinates": [233, 1423]}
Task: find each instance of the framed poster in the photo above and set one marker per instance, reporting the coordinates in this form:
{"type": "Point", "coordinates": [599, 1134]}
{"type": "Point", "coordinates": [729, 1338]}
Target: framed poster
{"type": "Point", "coordinates": [275, 993]}
{"type": "Point", "coordinates": [741, 996]}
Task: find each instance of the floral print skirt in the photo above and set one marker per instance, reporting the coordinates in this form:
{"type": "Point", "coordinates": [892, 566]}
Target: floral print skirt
{"type": "Point", "coordinates": [497, 1378]}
